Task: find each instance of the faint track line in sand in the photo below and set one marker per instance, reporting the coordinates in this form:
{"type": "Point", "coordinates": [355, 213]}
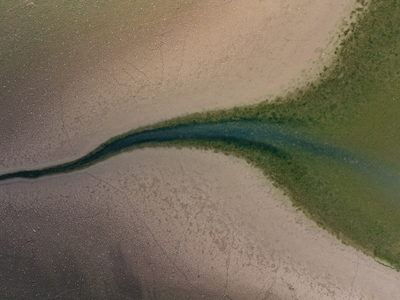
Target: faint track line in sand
{"type": "Point", "coordinates": [225, 3]}
{"type": "Point", "coordinates": [182, 56]}
{"type": "Point", "coordinates": [148, 228]}
{"type": "Point", "coordinates": [162, 61]}
{"type": "Point", "coordinates": [140, 71]}
{"type": "Point", "coordinates": [355, 276]}
{"type": "Point", "coordinates": [64, 128]}
{"type": "Point", "coordinates": [227, 267]}
{"type": "Point", "coordinates": [27, 2]}
{"type": "Point", "coordinates": [130, 92]}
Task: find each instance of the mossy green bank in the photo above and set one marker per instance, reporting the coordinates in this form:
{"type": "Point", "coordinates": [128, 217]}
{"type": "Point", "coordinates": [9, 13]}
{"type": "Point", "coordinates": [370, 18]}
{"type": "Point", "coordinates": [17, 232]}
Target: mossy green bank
{"type": "Point", "coordinates": [355, 104]}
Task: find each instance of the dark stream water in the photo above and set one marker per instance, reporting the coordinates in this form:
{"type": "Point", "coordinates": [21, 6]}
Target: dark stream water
{"type": "Point", "coordinates": [280, 137]}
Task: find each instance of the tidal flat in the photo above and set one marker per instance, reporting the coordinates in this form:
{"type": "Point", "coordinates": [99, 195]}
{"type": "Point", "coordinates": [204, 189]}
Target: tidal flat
{"type": "Point", "coordinates": [331, 147]}
{"type": "Point", "coordinates": [355, 104]}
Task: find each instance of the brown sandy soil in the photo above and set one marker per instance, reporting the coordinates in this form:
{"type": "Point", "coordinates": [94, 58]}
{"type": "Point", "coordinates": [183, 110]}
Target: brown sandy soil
{"type": "Point", "coordinates": [214, 54]}
{"type": "Point", "coordinates": [180, 224]}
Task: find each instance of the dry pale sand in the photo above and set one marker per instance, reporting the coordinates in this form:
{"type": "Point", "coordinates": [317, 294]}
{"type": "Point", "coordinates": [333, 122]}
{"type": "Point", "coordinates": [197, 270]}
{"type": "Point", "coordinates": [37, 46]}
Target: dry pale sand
{"type": "Point", "coordinates": [165, 223]}
{"type": "Point", "coordinates": [179, 224]}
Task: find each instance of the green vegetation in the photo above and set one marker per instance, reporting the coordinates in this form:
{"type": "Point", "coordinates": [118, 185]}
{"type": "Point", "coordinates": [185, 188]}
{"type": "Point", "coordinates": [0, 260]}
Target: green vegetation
{"type": "Point", "coordinates": [355, 105]}
{"type": "Point", "coordinates": [340, 199]}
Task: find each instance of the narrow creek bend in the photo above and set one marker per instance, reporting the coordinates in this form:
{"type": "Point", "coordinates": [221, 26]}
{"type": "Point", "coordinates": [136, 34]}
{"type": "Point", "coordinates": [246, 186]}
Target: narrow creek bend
{"type": "Point", "coordinates": [279, 137]}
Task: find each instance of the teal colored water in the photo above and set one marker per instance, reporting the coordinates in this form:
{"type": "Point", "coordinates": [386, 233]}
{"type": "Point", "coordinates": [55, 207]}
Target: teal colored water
{"type": "Point", "coordinates": [276, 137]}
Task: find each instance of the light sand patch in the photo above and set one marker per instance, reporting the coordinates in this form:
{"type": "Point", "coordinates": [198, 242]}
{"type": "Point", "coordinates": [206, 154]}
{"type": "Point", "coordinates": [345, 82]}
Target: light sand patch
{"type": "Point", "coordinates": [177, 223]}
{"type": "Point", "coordinates": [215, 54]}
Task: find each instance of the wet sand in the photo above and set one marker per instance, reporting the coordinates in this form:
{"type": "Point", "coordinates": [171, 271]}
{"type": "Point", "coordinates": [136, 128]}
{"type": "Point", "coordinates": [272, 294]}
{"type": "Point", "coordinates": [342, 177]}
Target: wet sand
{"type": "Point", "coordinates": [167, 223]}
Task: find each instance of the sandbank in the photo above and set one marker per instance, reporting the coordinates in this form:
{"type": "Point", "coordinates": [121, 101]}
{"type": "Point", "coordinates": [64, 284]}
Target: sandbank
{"type": "Point", "coordinates": [174, 223]}
{"type": "Point", "coordinates": [213, 54]}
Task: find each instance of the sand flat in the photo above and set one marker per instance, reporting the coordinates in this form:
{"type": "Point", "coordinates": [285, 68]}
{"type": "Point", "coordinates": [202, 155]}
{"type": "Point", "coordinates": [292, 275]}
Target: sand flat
{"type": "Point", "coordinates": [176, 222]}
{"type": "Point", "coordinates": [212, 54]}
{"type": "Point", "coordinates": [180, 224]}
